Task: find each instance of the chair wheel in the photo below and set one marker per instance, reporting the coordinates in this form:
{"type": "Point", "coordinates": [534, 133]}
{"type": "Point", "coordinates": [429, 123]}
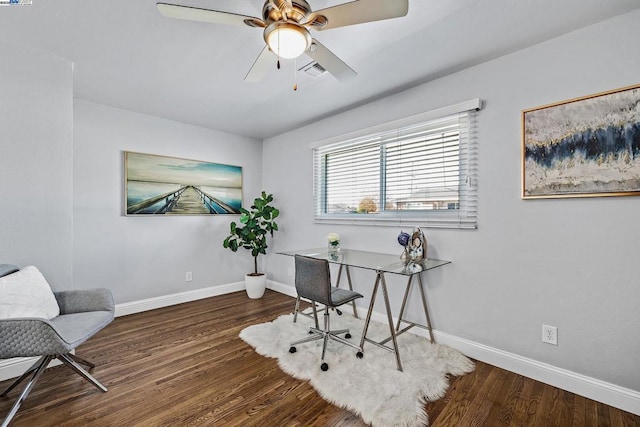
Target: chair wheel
{"type": "Point", "coordinates": [339, 312]}
{"type": "Point", "coordinates": [292, 349]}
{"type": "Point", "coordinates": [348, 335]}
{"type": "Point", "coordinates": [324, 367]}
{"type": "Point", "coordinates": [359, 355]}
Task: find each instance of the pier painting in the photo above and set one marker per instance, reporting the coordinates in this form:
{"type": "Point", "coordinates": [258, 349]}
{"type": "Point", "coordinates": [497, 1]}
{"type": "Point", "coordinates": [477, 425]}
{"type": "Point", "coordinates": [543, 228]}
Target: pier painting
{"type": "Point", "coordinates": [583, 147]}
{"type": "Point", "coordinates": [161, 185]}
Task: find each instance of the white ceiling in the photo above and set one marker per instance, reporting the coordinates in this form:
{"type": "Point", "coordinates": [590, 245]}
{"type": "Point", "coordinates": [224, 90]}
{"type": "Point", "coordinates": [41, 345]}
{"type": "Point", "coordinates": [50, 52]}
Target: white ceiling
{"type": "Point", "coordinates": [127, 55]}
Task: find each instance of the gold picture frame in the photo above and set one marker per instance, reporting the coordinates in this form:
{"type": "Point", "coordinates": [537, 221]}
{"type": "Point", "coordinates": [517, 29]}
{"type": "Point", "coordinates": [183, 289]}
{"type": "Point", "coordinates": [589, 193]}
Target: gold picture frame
{"type": "Point", "coordinates": [583, 147]}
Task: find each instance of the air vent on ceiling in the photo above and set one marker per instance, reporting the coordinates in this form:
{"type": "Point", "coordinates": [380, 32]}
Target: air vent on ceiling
{"type": "Point", "coordinates": [313, 69]}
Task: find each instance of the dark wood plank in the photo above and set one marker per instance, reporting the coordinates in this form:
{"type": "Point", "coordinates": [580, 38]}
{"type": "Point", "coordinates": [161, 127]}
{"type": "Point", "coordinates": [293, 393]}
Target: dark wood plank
{"type": "Point", "coordinates": [478, 412]}
{"type": "Point", "coordinates": [502, 411]}
{"type": "Point", "coordinates": [466, 388]}
{"type": "Point", "coordinates": [186, 366]}
{"type": "Point", "coordinates": [520, 411]}
{"type": "Point", "coordinates": [579, 415]}
{"type": "Point", "coordinates": [560, 413]}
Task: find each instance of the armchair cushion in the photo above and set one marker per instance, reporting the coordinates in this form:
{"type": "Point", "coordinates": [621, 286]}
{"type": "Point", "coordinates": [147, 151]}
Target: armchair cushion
{"type": "Point", "coordinates": [26, 293]}
{"type": "Point", "coordinates": [76, 328]}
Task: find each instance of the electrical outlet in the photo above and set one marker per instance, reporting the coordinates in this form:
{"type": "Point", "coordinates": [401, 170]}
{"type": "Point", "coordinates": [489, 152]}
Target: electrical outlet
{"type": "Point", "coordinates": [550, 334]}
{"type": "Point", "coordinates": [188, 277]}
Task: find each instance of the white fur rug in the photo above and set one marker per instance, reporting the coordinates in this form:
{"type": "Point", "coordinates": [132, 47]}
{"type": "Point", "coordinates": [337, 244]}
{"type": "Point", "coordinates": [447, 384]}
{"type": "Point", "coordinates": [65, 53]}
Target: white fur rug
{"type": "Point", "coordinates": [371, 387]}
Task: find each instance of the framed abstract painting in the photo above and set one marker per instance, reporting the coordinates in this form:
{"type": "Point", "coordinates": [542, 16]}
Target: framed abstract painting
{"type": "Point", "coordinates": [161, 185]}
{"type": "Point", "coordinates": [584, 147]}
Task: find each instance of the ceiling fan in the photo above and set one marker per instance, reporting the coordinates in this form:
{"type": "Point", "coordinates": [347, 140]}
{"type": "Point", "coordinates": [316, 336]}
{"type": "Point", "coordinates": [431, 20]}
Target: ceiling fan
{"type": "Point", "coordinates": [286, 25]}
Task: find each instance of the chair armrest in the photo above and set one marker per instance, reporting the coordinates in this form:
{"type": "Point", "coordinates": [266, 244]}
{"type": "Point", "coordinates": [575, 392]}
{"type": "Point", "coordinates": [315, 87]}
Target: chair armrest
{"type": "Point", "coordinates": [28, 337]}
{"type": "Point", "coordinates": [83, 300]}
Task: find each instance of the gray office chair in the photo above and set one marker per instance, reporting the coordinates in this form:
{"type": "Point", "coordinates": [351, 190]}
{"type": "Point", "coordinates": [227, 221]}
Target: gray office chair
{"type": "Point", "coordinates": [82, 314]}
{"type": "Point", "coordinates": [313, 282]}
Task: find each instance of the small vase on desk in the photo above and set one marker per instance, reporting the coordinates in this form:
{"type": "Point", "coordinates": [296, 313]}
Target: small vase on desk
{"type": "Point", "coordinates": [333, 242]}
{"type": "Point", "coordinates": [334, 251]}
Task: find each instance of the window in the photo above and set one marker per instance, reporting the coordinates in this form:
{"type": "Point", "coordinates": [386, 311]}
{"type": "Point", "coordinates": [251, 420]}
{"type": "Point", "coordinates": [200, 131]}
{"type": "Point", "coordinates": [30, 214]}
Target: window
{"type": "Point", "coordinates": [420, 171]}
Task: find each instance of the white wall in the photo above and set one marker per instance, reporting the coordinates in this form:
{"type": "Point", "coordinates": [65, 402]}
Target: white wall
{"type": "Point", "coordinates": [568, 262]}
{"type": "Point", "coordinates": [145, 257]}
{"type": "Point", "coordinates": [36, 159]}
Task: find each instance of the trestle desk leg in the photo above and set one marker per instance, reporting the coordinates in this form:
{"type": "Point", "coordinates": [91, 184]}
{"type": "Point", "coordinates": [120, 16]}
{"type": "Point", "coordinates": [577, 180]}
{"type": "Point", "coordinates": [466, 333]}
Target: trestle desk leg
{"type": "Point", "coordinates": [426, 308]}
{"type": "Point", "coordinates": [390, 320]}
{"type": "Point", "coordinates": [404, 303]}
{"type": "Point", "coordinates": [370, 311]}
{"type": "Point", "coordinates": [353, 303]}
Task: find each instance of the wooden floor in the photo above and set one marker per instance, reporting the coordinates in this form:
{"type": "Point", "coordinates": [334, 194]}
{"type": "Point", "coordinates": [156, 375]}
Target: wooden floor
{"type": "Point", "coordinates": [185, 366]}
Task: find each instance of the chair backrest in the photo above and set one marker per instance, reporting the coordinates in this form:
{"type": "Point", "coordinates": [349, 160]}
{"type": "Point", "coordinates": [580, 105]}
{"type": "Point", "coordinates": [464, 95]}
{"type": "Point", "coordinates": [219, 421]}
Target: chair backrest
{"type": "Point", "coordinates": [313, 279]}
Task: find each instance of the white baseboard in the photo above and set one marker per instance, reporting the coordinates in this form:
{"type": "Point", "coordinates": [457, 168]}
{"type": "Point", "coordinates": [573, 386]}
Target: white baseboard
{"type": "Point", "coordinates": [601, 391]}
{"type": "Point", "coordinates": [12, 368]}
{"type": "Point", "coordinates": [282, 288]}
{"type": "Point", "coordinates": [173, 299]}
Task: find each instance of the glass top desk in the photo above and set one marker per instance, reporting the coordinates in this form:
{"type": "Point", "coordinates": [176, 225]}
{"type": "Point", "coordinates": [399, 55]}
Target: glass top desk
{"type": "Point", "coordinates": [380, 264]}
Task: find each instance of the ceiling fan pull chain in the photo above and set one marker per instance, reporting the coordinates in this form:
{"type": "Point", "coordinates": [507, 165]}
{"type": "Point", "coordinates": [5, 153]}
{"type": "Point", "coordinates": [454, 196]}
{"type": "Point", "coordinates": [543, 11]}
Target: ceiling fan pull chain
{"type": "Point", "coordinates": [278, 63]}
{"type": "Point", "coordinates": [295, 74]}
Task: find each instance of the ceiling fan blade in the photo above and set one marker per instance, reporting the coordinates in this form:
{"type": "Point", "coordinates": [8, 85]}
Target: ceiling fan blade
{"type": "Point", "coordinates": [289, 4]}
{"type": "Point", "coordinates": [361, 11]}
{"type": "Point", "coordinates": [330, 61]}
{"type": "Point", "coordinates": [261, 66]}
{"type": "Point", "coordinates": [203, 15]}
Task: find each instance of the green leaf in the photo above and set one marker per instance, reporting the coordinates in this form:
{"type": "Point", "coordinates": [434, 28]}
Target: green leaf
{"type": "Point", "coordinates": [256, 223]}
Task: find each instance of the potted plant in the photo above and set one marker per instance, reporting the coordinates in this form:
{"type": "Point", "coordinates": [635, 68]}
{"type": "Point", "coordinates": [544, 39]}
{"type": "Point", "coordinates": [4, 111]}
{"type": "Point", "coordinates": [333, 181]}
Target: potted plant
{"type": "Point", "coordinates": [251, 234]}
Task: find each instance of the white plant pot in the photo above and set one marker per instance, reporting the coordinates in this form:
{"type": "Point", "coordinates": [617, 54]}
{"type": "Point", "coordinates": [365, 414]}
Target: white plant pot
{"type": "Point", "coordinates": [255, 285]}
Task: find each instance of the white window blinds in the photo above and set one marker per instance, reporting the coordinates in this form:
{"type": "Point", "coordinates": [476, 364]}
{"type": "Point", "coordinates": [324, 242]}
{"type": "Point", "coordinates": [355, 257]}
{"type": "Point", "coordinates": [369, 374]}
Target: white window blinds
{"type": "Point", "coordinates": [422, 173]}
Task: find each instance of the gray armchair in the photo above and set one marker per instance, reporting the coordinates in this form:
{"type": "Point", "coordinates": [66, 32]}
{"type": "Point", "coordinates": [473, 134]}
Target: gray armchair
{"type": "Point", "coordinates": [82, 314]}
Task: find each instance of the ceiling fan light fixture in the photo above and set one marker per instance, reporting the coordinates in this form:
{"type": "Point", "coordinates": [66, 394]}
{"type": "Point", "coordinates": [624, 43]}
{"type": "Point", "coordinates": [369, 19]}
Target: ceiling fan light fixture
{"type": "Point", "coordinates": [287, 40]}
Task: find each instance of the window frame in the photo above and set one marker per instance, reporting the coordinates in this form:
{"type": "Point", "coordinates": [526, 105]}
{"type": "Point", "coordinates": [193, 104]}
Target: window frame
{"type": "Point", "coordinates": [465, 217]}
